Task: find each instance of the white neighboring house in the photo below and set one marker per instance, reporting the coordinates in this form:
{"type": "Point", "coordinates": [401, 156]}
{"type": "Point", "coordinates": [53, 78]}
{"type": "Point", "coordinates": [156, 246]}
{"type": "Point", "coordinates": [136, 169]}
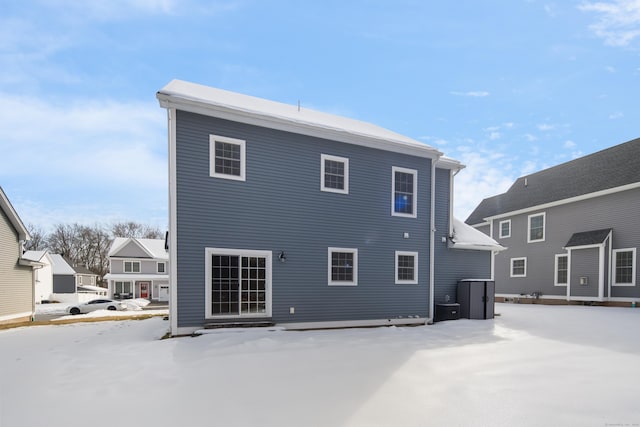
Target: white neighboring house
{"type": "Point", "coordinates": [43, 276]}
{"type": "Point", "coordinates": [138, 268]}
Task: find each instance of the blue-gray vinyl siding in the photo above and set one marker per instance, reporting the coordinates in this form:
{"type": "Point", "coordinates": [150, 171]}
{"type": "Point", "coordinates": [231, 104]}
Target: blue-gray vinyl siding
{"type": "Point", "coordinates": [618, 211]}
{"type": "Point", "coordinates": [584, 263]}
{"type": "Point", "coordinates": [452, 265]}
{"type": "Point", "coordinates": [280, 208]}
{"type": "Point", "coordinates": [64, 284]}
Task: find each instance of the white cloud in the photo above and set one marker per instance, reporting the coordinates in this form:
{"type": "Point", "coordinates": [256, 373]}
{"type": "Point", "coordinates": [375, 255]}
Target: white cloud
{"type": "Point", "coordinates": [85, 159]}
{"type": "Point", "coordinates": [529, 137]}
{"type": "Point", "coordinates": [471, 93]}
{"type": "Point", "coordinates": [544, 127]}
{"type": "Point", "coordinates": [618, 20]}
{"type": "Point", "coordinates": [610, 69]}
{"type": "Point", "coordinates": [569, 144]}
{"type": "Point", "coordinates": [494, 135]}
{"type": "Point", "coordinates": [486, 174]}
{"type": "Point", "coordinates": [616, 115]}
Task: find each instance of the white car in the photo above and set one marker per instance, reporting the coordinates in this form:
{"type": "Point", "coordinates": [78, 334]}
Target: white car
{"type": "Point", "coordinates": [96, 304]}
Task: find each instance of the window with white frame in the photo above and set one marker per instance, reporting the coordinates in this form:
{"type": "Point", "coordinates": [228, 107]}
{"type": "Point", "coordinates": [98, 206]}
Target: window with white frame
{"type": "Point", "coordinates": [406, 267]}
{"type": "Point", "coordinates": [561, 275]}
{"type": "Point", "coordinates": [161, 267]}
{"type": "Point", "coordinates": [342, 266]}
{"type": "Point", "coordinates": [404, 192]}
{"type": "Point", "coordinates": [121, 289]}
{"type": "Point", "coordinates": [624, 261]}
{"type": "Point", "coordinates": [334, 174]}
{"type": "Point", "coordinates": [227, 158]}
{"type": "Point", "coordinates": [132, 266]}
{"type": "Point", "coordinates": [519, 267]}
{"type": "Point", "coordinates": [505, 229]}
{"type": "Point", "coordinates": [535, 227]}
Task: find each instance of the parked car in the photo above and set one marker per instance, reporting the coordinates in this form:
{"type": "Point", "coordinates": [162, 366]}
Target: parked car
{"type": "Point", "coordinates": [96, 304]}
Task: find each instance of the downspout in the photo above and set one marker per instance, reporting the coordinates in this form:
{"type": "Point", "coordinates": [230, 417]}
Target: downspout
{"type": "Point", "coordinates": [432, 227]}
{"type": "Point", "coordinates": [173, 229]}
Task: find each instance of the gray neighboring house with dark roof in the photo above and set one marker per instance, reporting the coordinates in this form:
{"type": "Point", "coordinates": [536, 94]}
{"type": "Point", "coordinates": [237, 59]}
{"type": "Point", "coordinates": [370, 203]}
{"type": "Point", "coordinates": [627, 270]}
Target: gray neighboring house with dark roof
{"type": "Point", "coordinates": [572, 231]}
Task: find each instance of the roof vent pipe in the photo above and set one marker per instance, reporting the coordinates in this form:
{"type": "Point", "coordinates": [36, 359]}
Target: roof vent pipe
{"type": "Point", "coordinates": [526, 182]}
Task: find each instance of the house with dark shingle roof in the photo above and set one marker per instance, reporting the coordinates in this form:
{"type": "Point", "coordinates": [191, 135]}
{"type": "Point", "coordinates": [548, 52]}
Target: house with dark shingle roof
{"type": "Point", "coordinates": [572, 231]}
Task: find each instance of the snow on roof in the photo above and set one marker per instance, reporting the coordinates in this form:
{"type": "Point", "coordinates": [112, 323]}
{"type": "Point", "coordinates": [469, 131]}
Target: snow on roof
{"type": "Point", "coordinates": [155, 247]}
{"type": "Point", "coordinates": [217, 102]}
{"type": "Point", "coordinates": [60, 266]}
{"type": "Point", "coordinates": [467, 237]}
{"type": "Point", "coordinates": [34, 255]}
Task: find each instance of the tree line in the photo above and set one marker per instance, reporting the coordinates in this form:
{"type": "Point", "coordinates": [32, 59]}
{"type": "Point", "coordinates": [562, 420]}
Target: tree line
{"type": "Point", "coordinates": [87, 246]}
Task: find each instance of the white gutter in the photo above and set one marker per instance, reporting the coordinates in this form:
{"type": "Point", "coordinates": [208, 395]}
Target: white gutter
{"type": "Point", "coordinates": [432, 227]}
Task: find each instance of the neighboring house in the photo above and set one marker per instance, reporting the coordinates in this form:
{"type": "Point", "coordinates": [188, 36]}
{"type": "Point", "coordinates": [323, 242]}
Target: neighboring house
{"type": "Point", "coordinates": [64, 276]}
{"type": "Point", "coordinates": [280, 214]}
{"type": "Point", "coordinates": [572, 231]}
{"type": "Point", "coordinates": [16, 273]}
{"type": "Point", "coordinates": [43, 276]}
{"type": "Point", "coordinates": [138, 268]}
{"type": "Point", "coordinates": [84, 276]}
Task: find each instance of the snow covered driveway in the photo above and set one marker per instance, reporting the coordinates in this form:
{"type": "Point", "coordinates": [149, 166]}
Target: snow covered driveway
{"type": "Point", "coordinates": [531, 366]}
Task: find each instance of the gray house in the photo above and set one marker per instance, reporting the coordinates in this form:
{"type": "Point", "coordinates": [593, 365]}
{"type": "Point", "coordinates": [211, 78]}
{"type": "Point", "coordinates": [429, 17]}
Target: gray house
{"type": "Point", "coordinates": [572, 231]}
{"type": "Point", "coordinates": [16, 273]}
{"type": "Point", "coordinates": [286, 215]}
{"type": "Point", "coordinates": [64, 276]}
{"type": "Point", "coordinates": [138, 268]}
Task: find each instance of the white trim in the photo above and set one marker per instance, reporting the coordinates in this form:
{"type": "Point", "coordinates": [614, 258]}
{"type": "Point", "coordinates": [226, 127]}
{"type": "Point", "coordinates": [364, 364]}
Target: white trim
{"type": "Point", "coordinates": [544, 227]}
{"type": "Point", "coordinates": [555, 270]}
{"type": "Point", "coordinates": [342, 131]}
{"type": "Point", "coordinates": [345, 162]}
{"type": "Point", "coordinates": [132, 261]}
{"type": "Point", "coordinates": [415, 268]}
{"type": "Point", "coordinates": [564, 297]}
{"type": "Point", "coordinates": [511, 267]}
{"type": "Point", "coordinates": [173, 226]}
{"type": "Point", "coordinates": [506, 236]}
{"type": "Point", "coordinates": [208, 253]}
{"type": "Point", "coordinates": [355, 323]}
{"type": "Point", "coordinates": [212, 157]}
{"type": "Point", "coordinates": [633, 267]}
{"type": "Point", "coordinates": [414, 213]}
{"type": "Point", "coordinates": [545, 206]}
{"type": "Point", "coordinates": [354, 251]}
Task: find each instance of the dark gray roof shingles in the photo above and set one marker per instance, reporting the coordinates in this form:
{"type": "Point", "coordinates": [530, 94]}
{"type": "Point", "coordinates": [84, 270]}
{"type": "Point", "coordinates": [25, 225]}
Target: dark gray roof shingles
{"type": "Point", "coordinates": [584, 238]}
{"type": "Point", "coordinates": [609, 168]}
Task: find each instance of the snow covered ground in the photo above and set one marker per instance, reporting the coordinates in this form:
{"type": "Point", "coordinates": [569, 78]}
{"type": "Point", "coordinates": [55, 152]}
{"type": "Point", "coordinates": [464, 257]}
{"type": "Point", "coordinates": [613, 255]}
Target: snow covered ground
{"type": "Point", "coordinates": [531, 366]}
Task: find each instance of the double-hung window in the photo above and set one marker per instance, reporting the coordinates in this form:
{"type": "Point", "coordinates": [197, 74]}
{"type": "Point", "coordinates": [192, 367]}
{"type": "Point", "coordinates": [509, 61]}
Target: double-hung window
{"type": "Point", "coordinates": [342, 266]}
{"type": "Point", "coordinates": [625, 267]}
{"type": "Point", "coordinates": [505, 229]}
{"type": "Point", "coordinates": [132, 266]}
{"type": "Point", "coordinates": [161, 267]}
{"type": "Point", "coordinates": [227, 158]}
{"type": "Point", "coordinates": [404, 190]}
{"type": "Point", "coordinates": [406, 267]}
{"type": "Point", "coordinates": [518, 267]}
{"type": "Point", "coordinates": [535, 231]}
{"type": "Point", "coordinates": [561, 276]}
{"type": "Point", "coordinates": [334, 174]}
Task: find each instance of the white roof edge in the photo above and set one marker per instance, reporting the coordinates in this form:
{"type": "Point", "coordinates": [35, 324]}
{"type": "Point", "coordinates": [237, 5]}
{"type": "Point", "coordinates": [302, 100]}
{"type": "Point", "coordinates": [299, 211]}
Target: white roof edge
{"type": "Point", "coordinates": [564, 201]}
{"type": "Point", "coordinates": [467, 237]}
{"type": "Point", "coordinates": [258, 111]}
{"type": "Point", "coordinates": [14, 218]}
{"type": "Point", "coordinates": [449, 163]}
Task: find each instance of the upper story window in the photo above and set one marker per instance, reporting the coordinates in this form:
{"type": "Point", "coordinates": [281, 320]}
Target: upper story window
{"type": "Point", "coordinates": [227, 158]}
{"type": "Point", "coordinates": [518, 267]}
{"type": "Point", "coordinates": [505, 229]}
{"type": "Point", "coordinates": [132, 266]}
{"type": "Point", "coordinates": [561, 275]}
{"type": "Point", "coordinates": [342, 266]}
{"type": "Point", "coordinates": [625, 267]}
{"type": "Point", "coordinates": [334, 174]}
{"type": "Point", "coordinates": [161, 267]}
{"type": "Point", "coordinates": [536, 224]}
{"type": "Point", "coordinates": [404, 192]}
{"type": "Point", "coordinates": [406, 267]}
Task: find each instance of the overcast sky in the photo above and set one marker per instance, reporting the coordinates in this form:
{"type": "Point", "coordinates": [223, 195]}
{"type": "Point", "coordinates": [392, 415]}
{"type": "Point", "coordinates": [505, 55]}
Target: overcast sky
{"type": "Point", "coordinates": [508, 87]}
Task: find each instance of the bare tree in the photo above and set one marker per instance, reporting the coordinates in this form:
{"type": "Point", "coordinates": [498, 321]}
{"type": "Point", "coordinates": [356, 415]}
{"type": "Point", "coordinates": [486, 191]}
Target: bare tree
{"type": "Point", "coordinates": [38, 240]}
{"type": "Point", "coordinates": [135, 229]}
{"type": "Point", "coordinates": [64, 240]}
